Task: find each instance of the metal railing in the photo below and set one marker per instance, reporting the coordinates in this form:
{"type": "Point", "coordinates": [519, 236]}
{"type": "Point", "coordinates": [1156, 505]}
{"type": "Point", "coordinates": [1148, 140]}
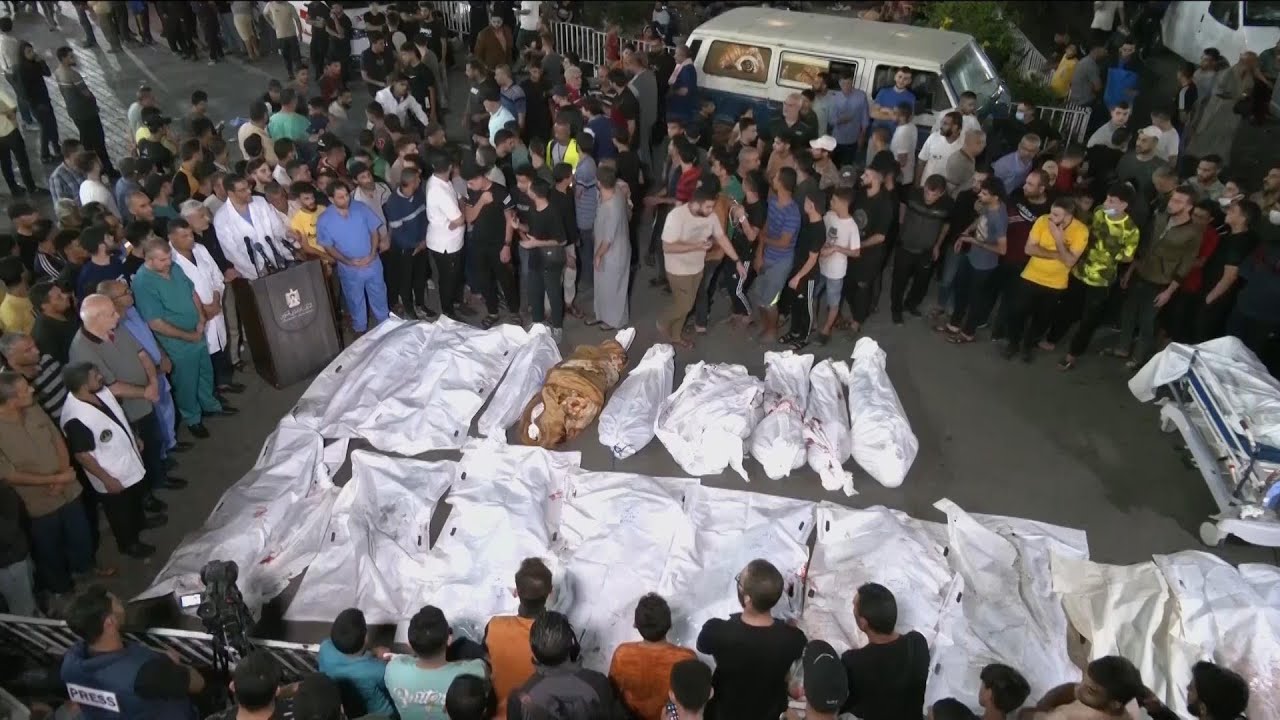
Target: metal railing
{"type": "Point", "coordinates": [40, 639]}
{"type": "Point", "coordinates": [1069, 120]}
{"type": "Point", "coordinates": [1028, 60]}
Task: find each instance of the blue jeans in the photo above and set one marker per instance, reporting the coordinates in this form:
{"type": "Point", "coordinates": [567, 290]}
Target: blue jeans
{"type": "Point", "coordinates": [17, 588]}
{"type": "Point", "coordinates": [364, 291]}
{"type": "Point", "coordinates": [61, 546]}
{"type": "Point", "coordinates": [947, 284]}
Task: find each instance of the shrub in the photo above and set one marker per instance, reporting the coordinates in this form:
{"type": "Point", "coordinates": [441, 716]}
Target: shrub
{"type": "Point", "coordinates": [985, 21]}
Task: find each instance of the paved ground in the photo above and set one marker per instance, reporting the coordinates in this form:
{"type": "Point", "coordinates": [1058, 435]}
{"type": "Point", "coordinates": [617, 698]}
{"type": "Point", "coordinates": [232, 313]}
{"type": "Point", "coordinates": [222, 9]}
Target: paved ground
{"type": "Point", "coordinates": [996, 437]}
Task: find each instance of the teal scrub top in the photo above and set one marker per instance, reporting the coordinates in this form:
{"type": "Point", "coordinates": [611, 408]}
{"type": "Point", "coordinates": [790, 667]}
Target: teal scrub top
{"type": "Point", "coordinates": [167, 299]}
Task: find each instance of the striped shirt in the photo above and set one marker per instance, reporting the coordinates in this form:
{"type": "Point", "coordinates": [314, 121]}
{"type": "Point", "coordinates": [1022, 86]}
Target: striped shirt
{"type": "Point", "coordinates": [586, 193]}
{"type": "Point", "coordinates": [64, 183]}
{"type": "Point", "coordinates": [47, 383]}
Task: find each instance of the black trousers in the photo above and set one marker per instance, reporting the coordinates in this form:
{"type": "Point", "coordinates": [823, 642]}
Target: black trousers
{"type": "Point", "coordinates": [493, 276]}
{"type": "Point", "coordinates": [50, 143]}
{"type": "Point", "coordinates": [213, 38]}
{"type": "Point", "coordinates": [1083, 304]}
{"type": "Point", "coordinates": [910, 283]}
{"type": "Point", "coordinates": [409, 274]}
{"type": "Point", "coordinates": [802, 309]}
{"type": "Point", "coordinates": [319, 51]}
{"type": "Point", "coordinates": [546, 279]}
{"type": "Point", "coordinates": [448, 274]}
{"type": "Point", "coordinates": [94, 139]}
{"type": "Point", "coordinates": [149, 432]}
{"type": "Point", "coordinates": [12, 146]}
{"type": "Point", "coordinates": [291, 53]}
{"type": "Point", "coordinates": [124, 513]}
{"type": "Point", "coordinates": [1031, 313]}
{"type": "Point", "coordinates": [860, 282]}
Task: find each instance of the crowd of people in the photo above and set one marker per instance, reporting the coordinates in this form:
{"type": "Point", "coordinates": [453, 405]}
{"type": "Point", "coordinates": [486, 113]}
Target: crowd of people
{"type": "Point", "coordinates": [528, 665]}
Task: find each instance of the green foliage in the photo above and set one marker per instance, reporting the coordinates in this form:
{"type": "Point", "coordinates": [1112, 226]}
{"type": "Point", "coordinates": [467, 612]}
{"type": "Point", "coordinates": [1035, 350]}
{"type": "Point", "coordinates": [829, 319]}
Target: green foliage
{"type": "Point", "coordinates": [985, 21]}
{"type": "Point", "coordinates": [1030, 89]}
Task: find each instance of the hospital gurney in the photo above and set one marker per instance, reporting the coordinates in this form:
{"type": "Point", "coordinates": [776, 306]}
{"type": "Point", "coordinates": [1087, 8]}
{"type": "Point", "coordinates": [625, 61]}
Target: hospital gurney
{"type": "Point", "coordinates": [1226, 407]}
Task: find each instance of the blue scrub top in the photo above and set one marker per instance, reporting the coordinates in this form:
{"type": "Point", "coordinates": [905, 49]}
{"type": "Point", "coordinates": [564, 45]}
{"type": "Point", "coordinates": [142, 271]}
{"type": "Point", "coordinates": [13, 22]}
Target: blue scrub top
{"type": "Point", "coordinates": [350, 235]}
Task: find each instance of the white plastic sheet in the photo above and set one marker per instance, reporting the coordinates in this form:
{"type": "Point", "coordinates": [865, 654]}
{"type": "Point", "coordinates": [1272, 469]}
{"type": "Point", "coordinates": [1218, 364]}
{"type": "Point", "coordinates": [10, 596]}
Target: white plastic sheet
{"type": "Point", "coordinates": [826, 426]}
{"type": "Point", "coordinates": [270, 523]}
{"type": "Point", "coordinates": [733, 528]}
{"type": "Point", "coordinates": [616, 533]}
{"type": "Point", "coordinates": [777, 442]}
{"type": "Point", "coordinates": [410, 387]}
{"type": "Point", "coordinates": [855, 547]}
{"type": "Point", "coordinates": [1246, 386]}
{"type": "Point", "coordinates": [627, 422]}
{"type": "Point", "coordinates": [506, 503]}
{"type": "Point", "coordinates": [706, 422]}
{"type": "Point", "coordinates": [1003, 608]}
{"type": "Point", "coordinates": [523, 380]}
{"type": "Point", "coordinates": [376, 548]}
{"type": "Point", "coordinates": [883, 442]}
{"type": "Point", "coordinates": [1167, 614]}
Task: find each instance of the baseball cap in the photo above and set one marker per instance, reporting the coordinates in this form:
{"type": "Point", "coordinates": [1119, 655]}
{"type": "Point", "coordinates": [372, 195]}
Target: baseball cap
{"type": "Point", "coordinates": [155, 122]}
{"type": "Point", "coordinates": [826, 142]}
{"type": "Point", "coordinates": [1150, 131]}
{"type": "Point", "coordinates": [849, 175]}
{"type": "Point", "coordinates": [826, 686]}
{"type": "Point", "coordinates": [328, 141]}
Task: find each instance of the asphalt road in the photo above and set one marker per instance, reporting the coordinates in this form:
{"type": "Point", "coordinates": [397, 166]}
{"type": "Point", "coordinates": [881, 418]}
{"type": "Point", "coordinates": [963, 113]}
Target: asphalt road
{"type": "Point", "coordinates": [996, 437]}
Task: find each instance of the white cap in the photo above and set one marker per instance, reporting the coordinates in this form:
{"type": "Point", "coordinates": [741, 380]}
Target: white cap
{"type": "Point", "coordinates": [826, 142]}
{"type": "Point", "coordinates": [1150, 131]}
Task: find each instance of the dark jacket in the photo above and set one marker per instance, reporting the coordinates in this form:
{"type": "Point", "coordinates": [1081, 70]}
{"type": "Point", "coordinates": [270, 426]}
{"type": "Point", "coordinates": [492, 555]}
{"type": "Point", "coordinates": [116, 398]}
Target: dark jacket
{"type": "Point", "coordinates": [13, 536]}
{"type": "Point", "coordinates": [565, 692]}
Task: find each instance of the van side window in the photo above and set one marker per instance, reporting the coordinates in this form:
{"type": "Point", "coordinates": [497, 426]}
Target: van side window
{"type": "Point", "coordinates": [1226, 12]}
{"type": "Point", "coordinates": [796, 70]}
{"type": "Point", "coordinates": [926, 86]}
{"type": "Point", "coordinates": [739, 61]}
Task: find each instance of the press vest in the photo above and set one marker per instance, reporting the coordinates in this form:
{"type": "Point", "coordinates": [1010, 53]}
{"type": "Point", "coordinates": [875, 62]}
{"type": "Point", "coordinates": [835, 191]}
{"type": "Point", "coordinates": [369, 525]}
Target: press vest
{"type": "Point", "coordinates": [570, 154]}
{"type": "Point", "coordinates": [115, 449]}
{"type": "Point", "coordinates": [103, 685]}
{"type": "Point", "coordinates": [507, 639]}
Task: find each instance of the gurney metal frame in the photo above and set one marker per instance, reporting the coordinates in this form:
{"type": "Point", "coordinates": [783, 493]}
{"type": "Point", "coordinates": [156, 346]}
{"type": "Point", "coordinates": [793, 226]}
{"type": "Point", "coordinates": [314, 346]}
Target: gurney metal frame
{"type": "Point", "coordinates": [1224, 449]}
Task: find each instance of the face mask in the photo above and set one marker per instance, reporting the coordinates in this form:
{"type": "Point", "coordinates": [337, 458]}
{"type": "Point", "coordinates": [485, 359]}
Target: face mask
{"type": "Point", "coordinates": [1113, 213]}
{"type": "Point", "coordinates": [1274, 216]}
{"type": "Point", "coordinates": [1021, 116]}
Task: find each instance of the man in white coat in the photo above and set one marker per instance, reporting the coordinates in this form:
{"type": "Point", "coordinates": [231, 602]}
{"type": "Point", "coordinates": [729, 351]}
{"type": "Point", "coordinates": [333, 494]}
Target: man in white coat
{"type": "Point", "coordinates": [250, 231]}
{"type": "Point", "coordinates": [100, 438]}
{"type": "Point", "coordinates": [204, 274]}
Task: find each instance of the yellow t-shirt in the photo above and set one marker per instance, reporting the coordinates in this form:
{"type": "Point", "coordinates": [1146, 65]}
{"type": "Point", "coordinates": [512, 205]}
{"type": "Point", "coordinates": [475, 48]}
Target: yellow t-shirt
{"type": "Point", "coordinates": [1051, 272]}
{"type": "Point", "coordinates": [16, 314]}
{"type": "Point", "coordinates": [304, 223]}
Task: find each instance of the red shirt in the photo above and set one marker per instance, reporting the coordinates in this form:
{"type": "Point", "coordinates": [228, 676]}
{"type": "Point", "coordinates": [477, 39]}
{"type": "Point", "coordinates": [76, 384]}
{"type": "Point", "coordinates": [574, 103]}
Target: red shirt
{"type": "Point", "coordinates": [687, 183]}
{"type": "Point", "coordinates": [612, 48]}
{"type": "Point", "coordinates": [1209, 243]}
{"type": "Point", "coordinates": [330, 87]}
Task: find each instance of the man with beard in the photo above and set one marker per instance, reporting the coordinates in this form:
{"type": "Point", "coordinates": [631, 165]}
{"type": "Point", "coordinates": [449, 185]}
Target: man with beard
{"type": "Point", "coordinates": [489, 209]}
{"type": "Point", "coordinates": [1025, 206]}
{"type": "Point", "coordinates": [354, 235]}
{"type": "Point", "coordinates": [82, 107]}
{"type": "Point", "coordinates": [1214, 693]}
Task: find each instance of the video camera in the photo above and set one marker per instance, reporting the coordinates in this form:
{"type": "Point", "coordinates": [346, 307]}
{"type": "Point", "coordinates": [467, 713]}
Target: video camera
{"type": "Point", "coordinates": [222, 609]}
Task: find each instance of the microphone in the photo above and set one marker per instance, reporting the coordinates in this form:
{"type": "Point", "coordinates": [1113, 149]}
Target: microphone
{"type": "Point", "coordinates": [275, 251]}
{"type": "Point", "coordinates": [265, 260]}
{"type": "Point", "coordinates": [248, 247]}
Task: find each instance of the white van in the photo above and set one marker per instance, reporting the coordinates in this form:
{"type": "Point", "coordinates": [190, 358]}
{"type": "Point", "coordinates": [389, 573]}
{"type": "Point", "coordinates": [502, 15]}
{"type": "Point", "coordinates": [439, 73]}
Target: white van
{"type": "Point", "coordinates": [1231, 26]}
{"type": "Point", "coordinates": [753, 57]}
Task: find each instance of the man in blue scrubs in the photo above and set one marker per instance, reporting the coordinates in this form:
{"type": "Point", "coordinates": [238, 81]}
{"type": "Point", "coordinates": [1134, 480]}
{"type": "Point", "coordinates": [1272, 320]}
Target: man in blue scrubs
{"type": "Point", "coordinates": [354, 234]}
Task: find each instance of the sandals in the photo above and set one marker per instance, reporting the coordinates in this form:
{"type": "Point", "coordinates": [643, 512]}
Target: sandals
{"type": "Point", "coordinates": [959, 338]}
{"type": "Point", "coordinates": [1067, 363]}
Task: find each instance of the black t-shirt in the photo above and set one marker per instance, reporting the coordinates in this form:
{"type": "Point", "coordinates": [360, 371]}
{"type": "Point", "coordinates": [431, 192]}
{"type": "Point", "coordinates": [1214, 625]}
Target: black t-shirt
{"type": "Point", "coordinates": [523, 204]}
{"type": "Point", "coordinates": [886, 682]}
{"type": "Point", "coordinates": [420, 83]}
{"type": "Point", "coordinates": [563, 203]}
{"type": "Point", "coordinates": [340, 48]}
{"type": "Point", "coordinates": [379, 66]}
{"type": "Point", "coordinates": [547, 224]}
{"type": "Point", "coordinates": [157, 154]}
{"type": "Point", "coordinates": [813, 235]}
{"type": "Point", "coordinates": [162, 679]}
{"type": "Point", "coordinates": [806, 189]}
{"type": "Point", "coordinates": [132, 263]}
{"type": "Point", "coordinates": [625, 107]}
{"type": "Point", "coordinates": [874, 213]}
{"type": "Point", "coordinates": [489, 227]}
{"type": "Point", "coordinates": [750, 679]}
{"type": "Point", "coordinates": [798, 134]}
{"type": "Point", "coordinates": [963, 213]}
{"type": "Point", "coordinates": [26, 250]}
{"type": "Point", "coordinates": [628, 165]}
{"type": "Point", "coordinates": [1232, 250]}
{"type": "Point", "coordinates": [53, 336]}
{"type": "Point", "coordinates": [537, 114]}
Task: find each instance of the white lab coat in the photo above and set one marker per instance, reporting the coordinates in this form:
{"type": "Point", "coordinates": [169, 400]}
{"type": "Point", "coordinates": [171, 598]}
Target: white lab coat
{"type": "Point", "coordinates": [267, 229]}
{"type": "Point", "coordinates": [207, 279]}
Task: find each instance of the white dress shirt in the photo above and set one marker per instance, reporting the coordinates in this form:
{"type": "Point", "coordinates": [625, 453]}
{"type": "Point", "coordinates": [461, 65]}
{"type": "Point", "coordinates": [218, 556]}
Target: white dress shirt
{"type": "Point", "coordinates": [95, 191]}
{"type": "Point", "coordinates": [442, 208]}
{"type": "Point", "coordinates": [401, 107]}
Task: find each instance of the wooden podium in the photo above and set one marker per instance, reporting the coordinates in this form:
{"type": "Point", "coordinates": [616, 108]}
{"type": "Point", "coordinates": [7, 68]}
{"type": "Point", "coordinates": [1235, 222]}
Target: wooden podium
{"type": "Point", "coordinates": [288, 320]}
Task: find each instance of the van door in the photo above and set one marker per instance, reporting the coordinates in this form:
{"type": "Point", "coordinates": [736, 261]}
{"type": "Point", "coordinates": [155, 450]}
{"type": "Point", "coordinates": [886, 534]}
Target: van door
{"type": "Point", "coordinates": [1220, 28]}
{"type": "Point", "coordinates": [735, 76]}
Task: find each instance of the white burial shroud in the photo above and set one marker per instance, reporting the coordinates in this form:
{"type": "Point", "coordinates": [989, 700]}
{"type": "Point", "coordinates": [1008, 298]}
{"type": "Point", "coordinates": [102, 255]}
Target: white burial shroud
{"type": "Point", "coordinates": [777, 442]}
{"type": "Point", "coordinates": [270, 523]}
{"type": "Point", "coordinates": [626, 424]}
{"type": "Point", "coordinates": [374, 553]}
{"type": "Point", "coordinates": [883, 443]}
{"type": "Point", "coordinates": [523, 380]}
{"type": "Point", "coordinates": [1001, 561]}
{"type": "Point", "coordinates": [1168, 614]}
{"type": "Point", "coordinates": [705, 423]}
{"type": "Point", "coordinates": [410, 387]}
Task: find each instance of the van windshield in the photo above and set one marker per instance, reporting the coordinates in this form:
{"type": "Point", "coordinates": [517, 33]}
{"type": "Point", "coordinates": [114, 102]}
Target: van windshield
{"type": "Point", "coordinates": [971, 70]}
{"type": "Point", "coordinates": [1262, 13]}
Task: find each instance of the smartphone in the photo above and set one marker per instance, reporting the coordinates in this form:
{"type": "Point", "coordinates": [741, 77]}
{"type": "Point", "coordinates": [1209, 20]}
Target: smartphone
{"type": "Point", "coordinates": [189, 601]}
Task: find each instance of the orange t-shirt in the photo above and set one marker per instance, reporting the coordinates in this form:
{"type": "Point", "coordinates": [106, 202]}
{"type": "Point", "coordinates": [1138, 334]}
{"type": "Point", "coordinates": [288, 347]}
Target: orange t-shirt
{"type": "Point", "coordinates": [642, 673]}
{"type": "Point", "coordinates": [510, 655]}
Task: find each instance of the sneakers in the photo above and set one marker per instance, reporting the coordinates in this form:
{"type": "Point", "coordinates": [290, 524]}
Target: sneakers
{"type": "Point", "coordinates": [199, 431]}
